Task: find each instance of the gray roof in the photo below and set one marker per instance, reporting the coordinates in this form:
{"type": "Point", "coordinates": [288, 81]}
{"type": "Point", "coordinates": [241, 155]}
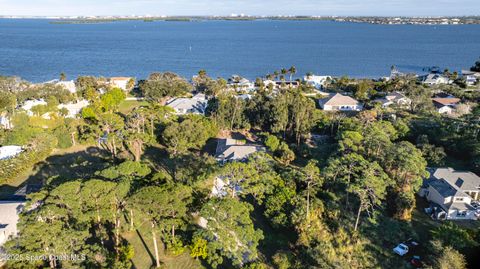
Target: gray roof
{"type": "Point", "coordinates": [445, 189]}
{"type": "Point", "coordinates": [463, 180]}
{"type": "Point", "coordinates": [231, 149]}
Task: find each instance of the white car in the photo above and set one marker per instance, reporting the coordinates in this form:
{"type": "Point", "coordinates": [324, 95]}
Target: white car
{"type": "Point", "coordinates": [401, 249]}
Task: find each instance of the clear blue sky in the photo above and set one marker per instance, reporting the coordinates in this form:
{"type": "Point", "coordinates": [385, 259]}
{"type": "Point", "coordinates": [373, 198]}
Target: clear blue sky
{"type": "Point", "coordinates": [250, 7]}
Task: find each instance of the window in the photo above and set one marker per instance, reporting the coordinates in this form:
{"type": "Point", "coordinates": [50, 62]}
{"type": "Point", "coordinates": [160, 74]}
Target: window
{"type": "Point", "coordinates": [458, 199]}
{"type": "Point", "coordinates": [461, 213]}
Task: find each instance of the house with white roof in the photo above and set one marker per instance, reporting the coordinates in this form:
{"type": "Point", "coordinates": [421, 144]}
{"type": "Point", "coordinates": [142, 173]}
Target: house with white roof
{"type": "Point", "coordinates": [195, 105]}
{"type": "Point", "coordinates": [67, 85]}
{"type": "Point", "coordinates": [317, 81]}
{"type": "Point", "coordinates": [5, 122]}
{"type": "Point", "coordinates": [395, 98]}
{"type": "Point", "coordinates": [235, 150]}
{"type": "Point", "coordinates": [435, 79]}
{"type": "Point", "coordinates": [240, 84]}
{"type": "Point", "coordinates": [452, 194]}
{"type": "Point", "coordinates": [9, 216]}
{"type": "Point", "coordinates": [471, 77]}
{"type": "Point", "coordinates": [8, 152]}
{"type": "Point", "coordinates": [120, 82]}
{"type": "Point", "coordinates": [339, 102]}
{"type": "Point", "coordinates": [74, 108]}
{"type": "Point", "coordinates": [29, 104]}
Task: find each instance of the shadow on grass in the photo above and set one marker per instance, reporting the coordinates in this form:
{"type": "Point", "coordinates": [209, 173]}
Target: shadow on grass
{"type": "Point", "coordinates": [63, 166]}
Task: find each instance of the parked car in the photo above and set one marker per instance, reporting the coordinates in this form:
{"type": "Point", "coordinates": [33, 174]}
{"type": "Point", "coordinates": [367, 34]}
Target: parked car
{"type": "Point", "coordinates": [401, 249]}
{"type": "Point", "coordinates": [416, 262]}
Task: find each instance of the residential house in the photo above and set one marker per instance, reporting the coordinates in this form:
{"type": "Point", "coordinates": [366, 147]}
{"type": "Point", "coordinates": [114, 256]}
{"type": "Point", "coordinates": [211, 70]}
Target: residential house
{"type": "Point", "coordinates": [195, 105]}
{"type": "Point", "coordinates": [435, 79]}
{"type": "Point", "coordinates": [29, 104]}
{"type": "Point", "coordinates": [451, 194]}
{"type": "Point", "coordinates": [8, 152]}
{"type": "Point", "coordinates": [395, 98]}
{"type": "Point", "coordinates": [319, 82]}
{"type": "Point", "coordinates": [471, 77]}
{"type": "Point", "coordinates": [235, 150]}
{"type": "Point", "coordinates": [9, 216]}
{"type": "Point", "coordinates": [445, 105]}
{"type": "Point", "coordinates": [67, 85]}
{"type": "Point", "coordinates": [339, 102]}
{"type": "Point", "coordinates": [120, 82]}
{"type": "Point", "coordinates": [5, 122]}
{"type": "Point", "coordinates": [276, 84]}
{"type": "Point", "coordinates": [74, 108]}
{"type": "Point", "coordinates": [240, 84]}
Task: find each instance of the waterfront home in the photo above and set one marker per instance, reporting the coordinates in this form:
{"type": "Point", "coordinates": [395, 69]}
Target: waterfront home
{"type": "Point", "coordinates": [319, 82]}
{"type": "Point", "coordinates": [445, 105]}
{"type": "Point", "coordinates": [395, 98]}
{"type": "Point", "coordinates": [74, 108]}
{"type": "Point", "coordinates": [452, 194]}
{"type": "Point", "coordinates": [68, 85]}
{"type": "Point", "coordinates": [471, 77]}
{"type": "Point", "coordinates": [235, 150]}
{"type": "Point", "coordinates": [435, 79]}
{"type": "Point", "coordinates": [29, 104]}
{"type": "Point", "coordinates": [339, 102]}
{"type": "Point", "coordinates": [239, 83]}
{"type": "Point", "coordinates": [195, 105]}
{"type": "Point", "coordinates": [276, 85]}
{"type": "Point", "coordinates": [120, 82]}
{"type": "Point", "coordinates": [9, 216]}
{"type": "Point", "coordinates": [8, 152]}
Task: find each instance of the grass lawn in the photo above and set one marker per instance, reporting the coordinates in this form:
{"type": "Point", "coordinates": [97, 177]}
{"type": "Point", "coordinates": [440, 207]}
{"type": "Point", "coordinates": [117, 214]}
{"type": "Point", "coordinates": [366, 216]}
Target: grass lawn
{"type": "Point", "coordinates": [144, 258]}
{"type": "Point", "coordinates": [127, 106]}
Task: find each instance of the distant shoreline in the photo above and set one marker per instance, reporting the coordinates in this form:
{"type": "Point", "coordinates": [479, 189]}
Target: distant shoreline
{"type": "Point", "coordinates": [458, 20]}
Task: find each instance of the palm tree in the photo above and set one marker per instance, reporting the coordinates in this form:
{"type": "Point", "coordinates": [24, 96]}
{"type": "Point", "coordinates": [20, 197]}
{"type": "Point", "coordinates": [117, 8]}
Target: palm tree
{"type": "Point", "coordinates": [275, 73]}
{"type": "Point", "coordinates": [292, 71]}
{"type": "Point", "coordinates": [63, 77]}
{"type": "Point", "coordinates": [284, 71]}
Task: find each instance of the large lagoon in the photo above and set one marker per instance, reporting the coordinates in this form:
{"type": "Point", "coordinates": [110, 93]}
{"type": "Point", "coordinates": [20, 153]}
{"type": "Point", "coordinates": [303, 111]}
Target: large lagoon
{"type": "Point", "coordinates": [39, 50]}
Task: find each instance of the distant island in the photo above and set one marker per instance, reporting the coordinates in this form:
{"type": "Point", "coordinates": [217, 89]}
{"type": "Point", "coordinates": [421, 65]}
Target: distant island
{"type": "Point", "coordinates": [458, 20]}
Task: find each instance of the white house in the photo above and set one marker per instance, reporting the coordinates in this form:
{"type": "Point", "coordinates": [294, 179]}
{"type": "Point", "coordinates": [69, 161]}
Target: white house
{"type": "Point", "coordinates": [451, 193]}
{"type": "Point", "coordinates": [235, 150]}
{"type": "Point", "coordinates": [317, 81]}
{"type": "Point", "coordinates": [8, 152]}
{"type": "Point", "coordinates": [5, 122]}
{"type": "Point", "coordinates": [74, 108]}
{"type": "Point", "coordinates": [240, 84]}
{"type": "Point", "coordinates": [120, 82]}
{"type": "Point", "coordinates": [67, 85]}
{"type": "Point", "coordinates": [470, 77]}
{"type": "Point", "coordinates": [195, 105]}
{"type": "Point", "coordinates": [27, 105]}
{"type": "Point", "coordinates": [339, 102]}
{"type": "Point", "coordinates": [445, 105]}
{"type": "Point", "coordinates": [9, 211]}
{"type": "Point", "coordinates": [435, 79]}
{"type": "Point", "coordinates": [395, 98]}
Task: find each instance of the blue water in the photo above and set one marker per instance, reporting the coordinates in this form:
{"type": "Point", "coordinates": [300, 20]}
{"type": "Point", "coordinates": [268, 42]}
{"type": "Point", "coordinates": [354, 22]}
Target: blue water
{"type": "Point", "coordinates": [37, 50]}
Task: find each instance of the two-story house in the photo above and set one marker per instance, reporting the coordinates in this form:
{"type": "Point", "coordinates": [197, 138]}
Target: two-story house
{"type": "Point", "coordinates": [451, 193]}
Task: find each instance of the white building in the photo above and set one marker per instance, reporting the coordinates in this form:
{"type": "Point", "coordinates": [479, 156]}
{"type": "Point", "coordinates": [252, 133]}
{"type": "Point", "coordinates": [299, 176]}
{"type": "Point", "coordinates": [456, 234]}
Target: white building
{"type": "Point", "coordinates": [395, 98]}
{"type": "Point", "coordinates": [317, 81]}
{"type": "Point", "coordinates": [195, 105]}
{"type": "Point", "coordinates": [29, 104]}
{"type": "Point", "coordinates": [240, 84]}
{"type": "Point", "coordinates": [435, 79]}
{"type": "Point", "coordinates": [8, 152]}
{"type": "Point", "coordinates": [74, 108]}
{"type": "Point", "coordinates": [5, 122]}
{"type": "Point", "coordinates": [67, 85]}
{"type": "Point", "coordinates": [339, 102]}
{"type": "Point", "coordinates": [9, 216]}
{"type": "Point", "coordinates": [120, 82]}
{"type": "Point", "coordinates": [451, 194]}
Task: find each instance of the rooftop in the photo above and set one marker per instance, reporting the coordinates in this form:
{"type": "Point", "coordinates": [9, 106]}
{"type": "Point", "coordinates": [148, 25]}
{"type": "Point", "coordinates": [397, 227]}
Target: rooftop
{"type": "Point", "coordinates": [339, 99]}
